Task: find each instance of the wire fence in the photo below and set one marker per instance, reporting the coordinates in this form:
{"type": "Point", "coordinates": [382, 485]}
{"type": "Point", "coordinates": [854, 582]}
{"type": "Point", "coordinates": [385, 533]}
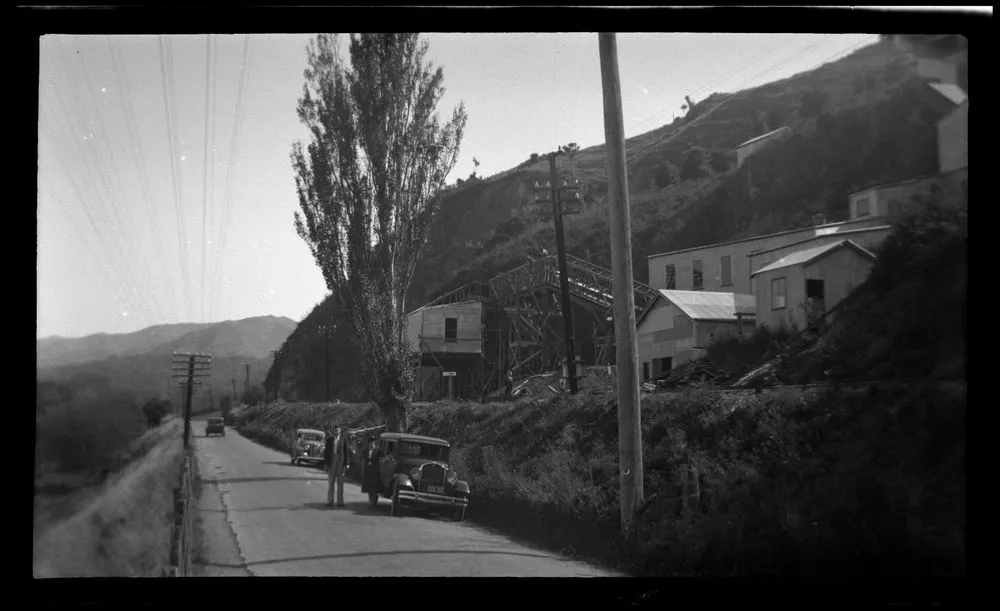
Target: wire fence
{"type": "Point", "coordinates": [181, 535]}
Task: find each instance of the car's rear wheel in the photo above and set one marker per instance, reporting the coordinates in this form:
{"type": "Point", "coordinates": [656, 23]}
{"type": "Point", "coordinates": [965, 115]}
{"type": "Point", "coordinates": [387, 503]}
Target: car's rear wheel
{"type": "Point", "coordinates": [397, 508]}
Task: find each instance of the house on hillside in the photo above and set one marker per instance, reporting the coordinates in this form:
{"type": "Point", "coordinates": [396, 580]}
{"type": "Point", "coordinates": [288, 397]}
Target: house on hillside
{"type": "Point", "coordinates": [682, 324]}
{"type": "Point", "coordinates": [448, 339]}
{"type": "Point", "coordinates": [804, 284]}
{"type": "Point", "coordinates": [753, 145]}
{"type": "Point", "coordinates": [951, 103]}
{"type": "Point", "coordinates": [726, 266]}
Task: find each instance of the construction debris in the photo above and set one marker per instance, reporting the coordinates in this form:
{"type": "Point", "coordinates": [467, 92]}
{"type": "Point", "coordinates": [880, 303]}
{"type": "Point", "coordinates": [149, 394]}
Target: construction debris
{"type": "Point", "coordinates": [693, 372]}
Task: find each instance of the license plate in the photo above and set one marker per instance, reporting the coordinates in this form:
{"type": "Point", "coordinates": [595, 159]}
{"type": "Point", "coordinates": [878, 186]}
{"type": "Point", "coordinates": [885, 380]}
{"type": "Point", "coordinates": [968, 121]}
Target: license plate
{"type": "Point", "coordinates": [435, 489]}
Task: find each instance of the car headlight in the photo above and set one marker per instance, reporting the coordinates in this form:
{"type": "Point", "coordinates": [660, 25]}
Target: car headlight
{"type": "Point", "coordinates": [452, 477]}
{"type": "Point", "coordinates": [415, 473]}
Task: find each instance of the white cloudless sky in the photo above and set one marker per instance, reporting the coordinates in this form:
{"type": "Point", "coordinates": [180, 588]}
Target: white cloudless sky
{"type": "Point", "coordinates": [125, 237]}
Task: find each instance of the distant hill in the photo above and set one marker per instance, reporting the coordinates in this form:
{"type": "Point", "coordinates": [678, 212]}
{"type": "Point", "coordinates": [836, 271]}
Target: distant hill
{"type": "Point", "coordinates": [250, 337]}
{"type": "Point", "coordinates": [141, 361]}
{"type": "Point", "coordinates": [54, 351]}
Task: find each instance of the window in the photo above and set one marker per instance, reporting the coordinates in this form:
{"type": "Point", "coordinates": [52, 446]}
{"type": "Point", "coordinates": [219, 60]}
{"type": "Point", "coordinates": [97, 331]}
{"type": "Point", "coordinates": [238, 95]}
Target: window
{"type": "Point", "coordinates": [778, 293]}
{"type": "Point", "coordinates": [451, 329]}
{"type": "Point", "coordinates": [862, 207]}
{"type": "Point", "coordinates": [696, 277]}
{"type": "Point", "coordinates": [814, 289]}
{"type": "Point", "coordinates": [670, 277]}
{"type": "Point", "coordinates": [645, 371]}
{"type": "Point", "coordinates": [727, 270]}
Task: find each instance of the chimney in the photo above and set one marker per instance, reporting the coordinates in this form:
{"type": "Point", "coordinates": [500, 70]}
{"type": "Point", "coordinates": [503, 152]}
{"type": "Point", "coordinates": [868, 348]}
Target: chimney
{"type": "Point", "coordinates": [819, 219]}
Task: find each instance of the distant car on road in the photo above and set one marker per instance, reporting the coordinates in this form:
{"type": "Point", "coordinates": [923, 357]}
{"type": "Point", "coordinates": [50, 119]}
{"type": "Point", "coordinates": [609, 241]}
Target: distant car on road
{"type": "Point", "coordinates": [414, 473]}
{"type": "Point", "coordinates": [215, 426]}
{"type": "Point", "coordinates": [307, 447]}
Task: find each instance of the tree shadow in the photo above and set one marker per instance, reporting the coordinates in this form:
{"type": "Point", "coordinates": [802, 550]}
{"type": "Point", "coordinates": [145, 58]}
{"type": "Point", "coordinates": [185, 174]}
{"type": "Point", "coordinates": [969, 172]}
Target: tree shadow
{"type": "Point", "coordinates": [245, 480]}
{"type": "Point", "coordinates": [431, 552]}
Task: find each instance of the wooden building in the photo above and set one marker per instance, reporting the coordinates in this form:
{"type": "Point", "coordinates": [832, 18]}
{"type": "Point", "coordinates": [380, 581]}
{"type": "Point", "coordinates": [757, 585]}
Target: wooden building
{"type": "Point", "coordinates": [448, 338]}
{"type": "Point", "coordinates": [809, 282]}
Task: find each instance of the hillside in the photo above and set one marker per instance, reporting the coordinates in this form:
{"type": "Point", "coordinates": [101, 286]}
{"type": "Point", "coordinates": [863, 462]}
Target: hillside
{"type": "Point", "coordinates": [55, 351]}
{"type": "Point", "coordinates": [856, 121]}
{"type": "Point", "coordinates": [140, 362]}
{"type": "Point", "coordinates": [490, 221]}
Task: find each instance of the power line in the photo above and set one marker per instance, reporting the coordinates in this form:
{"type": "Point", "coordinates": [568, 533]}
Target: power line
{"type": "Point", "coordinates": [140, 310]}
{"type": "Point", "coordinates": [174, 172]}
{"type": "Point", "coordinates": [204, 188]}
{"type": "Point", "coordinates": [233, 156]}
{"type": "Point", "coordinates": [138, 156]}
{"type": "Point", "coordinates": [211, 187]}
{"type": "Point", "coordinates": [130, 299]}
{"type": "Point", "coordinates": [128, 226]}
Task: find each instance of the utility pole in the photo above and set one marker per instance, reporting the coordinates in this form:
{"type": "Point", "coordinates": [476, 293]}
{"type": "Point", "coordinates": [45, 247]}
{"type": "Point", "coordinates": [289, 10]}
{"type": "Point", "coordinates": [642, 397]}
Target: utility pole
{"type": "Point", "coordinates": [567, 312]}
{"type": "Point", "coordinates": [629, 418]}
{"type": "Point", "coordinates": [277, 374]}
{"type": "Point", "coordinates": [326, 342]}
{"type": "Point", "coordinates": [190, 367]}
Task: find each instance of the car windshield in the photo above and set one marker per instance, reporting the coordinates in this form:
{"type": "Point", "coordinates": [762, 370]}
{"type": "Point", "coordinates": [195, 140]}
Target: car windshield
{"type": "Point", "coordinates": [311, 437]}
{"type": "Point", "coordinates": [215, 421]}
{"type": "Point", "coordinates": [423, 450]}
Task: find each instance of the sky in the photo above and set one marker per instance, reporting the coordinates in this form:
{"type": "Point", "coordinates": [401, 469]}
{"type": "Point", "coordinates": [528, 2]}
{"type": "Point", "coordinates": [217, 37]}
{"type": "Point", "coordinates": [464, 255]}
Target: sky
{"type": "Point", "coordinates": [165, 188]}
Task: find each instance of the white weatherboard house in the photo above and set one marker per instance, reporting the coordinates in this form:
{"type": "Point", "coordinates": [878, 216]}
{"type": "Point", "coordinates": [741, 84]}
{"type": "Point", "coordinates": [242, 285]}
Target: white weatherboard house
{"type": "Point", "coordinates": [682, 324]}
{"type": "Point", "coordinates": [808, 282]}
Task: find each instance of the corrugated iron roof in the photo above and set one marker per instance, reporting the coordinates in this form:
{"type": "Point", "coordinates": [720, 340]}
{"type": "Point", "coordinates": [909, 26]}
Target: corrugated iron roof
{"type": "Point", "coordinates": [952, 92]}
{"type": "Point", "coordinates": [765, 136]}
{"type": "Point", "coordinates": [808, 255]}
{"type": "Point", "coordinates": [708, 305]}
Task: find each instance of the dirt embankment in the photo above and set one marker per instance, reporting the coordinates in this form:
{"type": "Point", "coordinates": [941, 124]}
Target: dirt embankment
{"type": "Point", "coordinates": [119, 527]}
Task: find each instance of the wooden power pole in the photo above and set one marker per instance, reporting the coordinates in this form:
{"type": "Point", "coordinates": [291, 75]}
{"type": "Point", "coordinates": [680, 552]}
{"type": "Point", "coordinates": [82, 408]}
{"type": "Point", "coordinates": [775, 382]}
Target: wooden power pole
{"type": "Point", "coordinates": [190, 367]}
{"type": "Point", "coordinates": [567, 312]}
{"type": "Point", "coordinates": [629, 420]}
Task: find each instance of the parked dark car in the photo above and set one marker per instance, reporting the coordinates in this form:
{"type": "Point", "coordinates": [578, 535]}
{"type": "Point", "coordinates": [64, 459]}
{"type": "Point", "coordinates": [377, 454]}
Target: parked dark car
{"type": "Point", "coordinates": [215, 426]}
{"type": "Point", "coordinates": [414, 473]}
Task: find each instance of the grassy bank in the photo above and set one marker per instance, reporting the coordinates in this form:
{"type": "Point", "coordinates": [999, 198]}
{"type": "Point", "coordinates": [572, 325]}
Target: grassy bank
{"type": "Point", "coordinates": [790, 484]}
{"type": "Point", "coordinates": [119, 528]}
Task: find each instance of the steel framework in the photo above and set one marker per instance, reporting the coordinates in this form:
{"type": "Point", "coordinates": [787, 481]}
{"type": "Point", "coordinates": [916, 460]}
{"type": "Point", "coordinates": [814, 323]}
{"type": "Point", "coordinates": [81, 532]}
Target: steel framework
{"type": "Point", "coordinates": [522, 317]}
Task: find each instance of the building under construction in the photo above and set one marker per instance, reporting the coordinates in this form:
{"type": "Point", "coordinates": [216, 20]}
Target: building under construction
{"type": "Point", "coordinates": [476, 333]}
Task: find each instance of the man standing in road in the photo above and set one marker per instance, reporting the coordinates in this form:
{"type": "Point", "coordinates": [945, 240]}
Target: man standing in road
{"type": "Point", "coordinates": [337, 459]}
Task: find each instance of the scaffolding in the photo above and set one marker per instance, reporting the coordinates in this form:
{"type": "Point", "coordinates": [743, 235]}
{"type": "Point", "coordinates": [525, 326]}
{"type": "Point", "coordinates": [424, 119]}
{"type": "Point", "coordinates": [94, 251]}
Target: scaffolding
{"type": "Point", "coordinates": [522, 318]}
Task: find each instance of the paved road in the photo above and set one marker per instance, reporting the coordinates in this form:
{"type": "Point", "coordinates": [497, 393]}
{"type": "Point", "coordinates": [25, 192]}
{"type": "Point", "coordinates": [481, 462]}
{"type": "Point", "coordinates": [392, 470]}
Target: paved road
{"type": "Point", "coordinates": [258, 515]}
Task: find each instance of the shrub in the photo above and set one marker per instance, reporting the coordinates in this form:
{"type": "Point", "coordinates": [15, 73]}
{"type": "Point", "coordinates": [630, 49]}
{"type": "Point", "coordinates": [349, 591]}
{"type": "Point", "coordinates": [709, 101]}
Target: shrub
{"type": "Point", "coordinates": [155, 411]}
{"type": "Point", "coordinates": [89, 434]}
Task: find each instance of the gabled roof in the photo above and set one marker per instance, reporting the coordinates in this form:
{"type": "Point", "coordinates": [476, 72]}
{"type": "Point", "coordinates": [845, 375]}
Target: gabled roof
{"type": "Point", "coordinates": [442, 305]}
{"type": "Point", "coordinates": [953, 93]}
{"type": "Point", "coordinates": [765, 136]}
{"type": "Point", "coordinates": [710, 305]}
{"type": "Point", "coordinates": [809, 255]}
